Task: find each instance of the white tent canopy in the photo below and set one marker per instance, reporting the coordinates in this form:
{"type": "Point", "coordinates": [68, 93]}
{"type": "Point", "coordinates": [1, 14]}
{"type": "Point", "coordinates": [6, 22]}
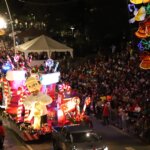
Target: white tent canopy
{"type": "Point", "coordinates": [43, 44]}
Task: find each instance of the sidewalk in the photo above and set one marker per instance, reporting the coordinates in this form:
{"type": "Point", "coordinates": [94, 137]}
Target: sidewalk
{"type": "Point", "coordinates": [12, 140]}
{"type": "Point", "coordinates": [128, 132]}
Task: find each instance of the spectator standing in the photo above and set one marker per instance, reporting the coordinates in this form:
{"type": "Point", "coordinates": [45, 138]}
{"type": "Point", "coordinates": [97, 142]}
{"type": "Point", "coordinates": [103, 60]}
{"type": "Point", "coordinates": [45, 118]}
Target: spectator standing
{"type": "Point", "coordinates": [106, 113]}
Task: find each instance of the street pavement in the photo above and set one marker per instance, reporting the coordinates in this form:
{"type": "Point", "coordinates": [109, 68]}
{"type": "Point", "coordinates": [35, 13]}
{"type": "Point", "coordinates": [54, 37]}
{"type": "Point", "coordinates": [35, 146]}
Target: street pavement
{"type": "Point", "coordinates": [13, 142]}
{"type": "Point", "coordinates": [117, 139]}
{"type": "Point", "coordinates": [113, 137]}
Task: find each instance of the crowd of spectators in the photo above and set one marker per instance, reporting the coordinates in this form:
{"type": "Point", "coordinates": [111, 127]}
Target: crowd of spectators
{"type": "Point", "coordinates": [117, 76]}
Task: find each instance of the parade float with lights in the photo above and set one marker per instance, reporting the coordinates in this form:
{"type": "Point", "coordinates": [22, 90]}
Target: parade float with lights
{"type": "Point", "coordinates": [35, 103]}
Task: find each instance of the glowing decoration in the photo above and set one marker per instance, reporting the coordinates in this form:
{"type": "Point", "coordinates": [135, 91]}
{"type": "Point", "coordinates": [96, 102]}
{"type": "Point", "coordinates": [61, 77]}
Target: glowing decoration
{"type": "Point", "coordinates": [6, 66]}
{"type": "Point", "coordinates": [139, 15]}
{"type": "Point", "coordinates": [3, 26]}
{"type": "Point", "coordinates": [15, 75]}
{"type": "Point", "coordinates": [2, 31]}
{"type": "Point", "coordinates": [61, 116]}
{"type": "Point", "coordinates": [20, 104]}
{"type": "Point", "coordinates": [16, 58]}
{"type": "Point", "coordinates": [68, 109]}
{"type": "Point", "coordinates": [69, 105]}
{"type": "Point", "coordinates": [65, 88]}
{"type": "Point", "coordinates": [26, 115]}
{"type": "Point", "coordinates": [47, 79]}
{"type": "Point", "coordinates": [132, 8]}
{"type": "Point", "coordinates": [140, 46]}
{"type": "Point", "coordinates": [144, 45]}
{"type": "Point", "coordinates": [49, 63]}
{"type": "Point", "coordinates": [148, 9]}
{"type": "Point", "coordinates": [144, 29]}
{"type": "Point", "coordinates": [143, 32]}
{"type": "Point", "coordinates": [6, 93]}
{"type": "Point", "coordinates": [56, 66]}
{"type": "Point", "coordinates": [10, 61]}
{"type": "Point", "coordinates": [36, 102]}
{"type": "Point", "coordinates": [139, 1]}
{"type": "Point", "coordinates": [145, 63]}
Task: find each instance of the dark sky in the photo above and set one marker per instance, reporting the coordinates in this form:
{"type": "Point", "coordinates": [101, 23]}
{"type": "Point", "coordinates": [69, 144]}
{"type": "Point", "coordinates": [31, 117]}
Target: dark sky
{"type": "Point", "coordinates": [105, 6]}
{"type": "Point", "coordinates": [101, 16]}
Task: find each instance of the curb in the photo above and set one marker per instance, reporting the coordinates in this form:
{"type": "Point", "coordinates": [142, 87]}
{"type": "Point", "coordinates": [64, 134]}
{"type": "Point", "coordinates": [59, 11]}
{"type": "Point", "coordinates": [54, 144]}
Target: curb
{"type": "Point", "coordinates": [28, 146]}
{"type": "Point", "coordinates": [20, 139]}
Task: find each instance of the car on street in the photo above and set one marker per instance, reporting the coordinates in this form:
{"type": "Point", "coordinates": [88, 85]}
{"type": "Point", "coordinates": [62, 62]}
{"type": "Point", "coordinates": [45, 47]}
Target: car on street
{"type": "Point", "coordinates": [77, 137]}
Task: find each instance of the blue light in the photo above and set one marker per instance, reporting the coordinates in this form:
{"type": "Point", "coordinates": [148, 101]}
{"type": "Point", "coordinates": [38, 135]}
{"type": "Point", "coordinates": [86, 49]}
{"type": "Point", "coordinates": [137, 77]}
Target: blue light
{"type": "Point", "coordinates": [7, 66]}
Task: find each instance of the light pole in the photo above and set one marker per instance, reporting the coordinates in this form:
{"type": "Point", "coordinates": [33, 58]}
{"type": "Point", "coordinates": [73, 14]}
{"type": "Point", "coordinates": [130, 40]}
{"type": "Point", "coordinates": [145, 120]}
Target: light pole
{"type": "Point", "coordinates": [72, 28]}
{"type": "Point", "coordinates": [12, 27]}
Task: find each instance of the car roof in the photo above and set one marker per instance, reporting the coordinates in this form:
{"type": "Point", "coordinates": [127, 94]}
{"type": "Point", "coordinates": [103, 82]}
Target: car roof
{"type": "Point", "coordinates": [78, 128]}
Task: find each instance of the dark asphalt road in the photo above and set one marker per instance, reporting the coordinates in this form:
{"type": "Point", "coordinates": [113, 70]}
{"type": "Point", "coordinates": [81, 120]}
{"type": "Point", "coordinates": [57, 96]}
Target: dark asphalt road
{"type": "Point", "coordinates": [115, 138]}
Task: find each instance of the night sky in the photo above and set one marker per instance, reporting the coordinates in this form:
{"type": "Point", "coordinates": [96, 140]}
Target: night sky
{"type": "Point", "coordinates": [108, 15]}
{"type": "Point", "coordinates": [100, 19]}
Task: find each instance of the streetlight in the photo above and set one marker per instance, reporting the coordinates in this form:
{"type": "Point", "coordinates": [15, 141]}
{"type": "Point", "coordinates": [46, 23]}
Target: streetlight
{"type": "Point", "coordinates": [3, 25]}
{"type": "Point", "coordinates": [12, 27]}
{"type": "Point", "coordinates": [72, 28]}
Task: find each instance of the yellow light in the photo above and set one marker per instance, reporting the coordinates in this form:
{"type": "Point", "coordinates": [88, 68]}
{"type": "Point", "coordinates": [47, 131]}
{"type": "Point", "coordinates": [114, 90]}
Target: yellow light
{"type": "Point", "coordinates": [139, 1]}
{"type": "Point", "coordinates": [3, 25]}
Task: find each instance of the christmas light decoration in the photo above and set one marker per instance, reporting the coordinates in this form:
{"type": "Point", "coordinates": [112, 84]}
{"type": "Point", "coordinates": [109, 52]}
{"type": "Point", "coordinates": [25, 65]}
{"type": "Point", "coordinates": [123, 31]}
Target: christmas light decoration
{"type": "Point", "coordinates": [139, 1]}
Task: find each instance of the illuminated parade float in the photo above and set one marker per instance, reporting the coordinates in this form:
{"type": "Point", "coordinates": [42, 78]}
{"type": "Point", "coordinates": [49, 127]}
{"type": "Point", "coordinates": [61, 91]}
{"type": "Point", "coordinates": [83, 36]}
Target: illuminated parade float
{"type": "Point", "coordinates": [39, 102]}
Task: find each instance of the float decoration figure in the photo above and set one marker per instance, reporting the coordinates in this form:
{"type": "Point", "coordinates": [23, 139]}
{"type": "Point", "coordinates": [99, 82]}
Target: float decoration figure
{"type": "Point", "coordinates": [145, 61]}
{"type": "Point", "coordinates": [36, 102]}
{"type": "Point", "coordinates": [139, 1]}
{"type": "Point", "coordinates": [65, 89]}
{"type": "Point", "coordinates": [144, 29]}
{"type": "Point", "coordinates": [139, 14]}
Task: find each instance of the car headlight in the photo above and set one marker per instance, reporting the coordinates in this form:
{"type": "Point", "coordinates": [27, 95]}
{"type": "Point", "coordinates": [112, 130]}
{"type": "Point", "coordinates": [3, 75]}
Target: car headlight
{"type": "Point", "coordinates": [74, 148]}
{"type": "Point", "coordinates": [102, 148]}
{"type": "Point", "coordinates": [106, 148]}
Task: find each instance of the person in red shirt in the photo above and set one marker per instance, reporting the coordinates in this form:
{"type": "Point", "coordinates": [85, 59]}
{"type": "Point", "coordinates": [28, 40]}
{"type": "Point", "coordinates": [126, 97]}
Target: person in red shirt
{"type": "Point", "coordinates": [106, 113]}
{"type": "Point", "coordinates": [2, 134]}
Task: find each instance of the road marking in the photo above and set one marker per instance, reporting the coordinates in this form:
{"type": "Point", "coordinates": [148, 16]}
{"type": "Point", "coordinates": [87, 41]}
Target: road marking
{"type": "Point", "coordinates": [129, 148]}
{"type": "Point", "coordinates": [29, 147]}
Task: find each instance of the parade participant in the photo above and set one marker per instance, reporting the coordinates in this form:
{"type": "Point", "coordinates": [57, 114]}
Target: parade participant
{"type": "Point", "coordinates": [36, 103]}
{"type": "Point", "coordinates": [106, 113]}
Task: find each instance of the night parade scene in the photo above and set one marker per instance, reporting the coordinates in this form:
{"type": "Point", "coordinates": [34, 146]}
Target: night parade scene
{"type": "Point", "coordinates": [74, 75]}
